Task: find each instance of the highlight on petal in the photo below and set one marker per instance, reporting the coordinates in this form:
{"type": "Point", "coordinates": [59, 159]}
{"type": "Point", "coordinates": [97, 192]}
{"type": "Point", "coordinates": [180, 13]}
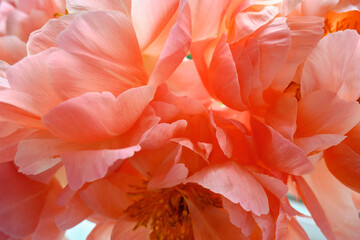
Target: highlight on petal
{"type": "Point", "coordinates": [236, 184]}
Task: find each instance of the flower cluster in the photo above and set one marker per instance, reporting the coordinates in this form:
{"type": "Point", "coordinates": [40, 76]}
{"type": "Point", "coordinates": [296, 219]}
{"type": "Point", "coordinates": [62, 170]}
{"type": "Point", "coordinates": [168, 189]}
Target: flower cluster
{"type": "Point", "coordinates": [179, 119]}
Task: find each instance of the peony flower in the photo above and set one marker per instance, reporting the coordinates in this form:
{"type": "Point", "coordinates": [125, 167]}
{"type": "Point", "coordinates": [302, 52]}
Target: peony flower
{"type": "Point", "coordinates": [157, 143]}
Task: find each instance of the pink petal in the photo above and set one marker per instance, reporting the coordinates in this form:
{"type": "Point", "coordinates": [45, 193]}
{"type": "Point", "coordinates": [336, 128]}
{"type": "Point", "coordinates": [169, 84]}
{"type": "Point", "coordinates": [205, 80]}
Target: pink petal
{"type": "Point", "coordinates": [339, 52]}
{"type": "Point", "coordinates": [31, 77]}
{"type": "Point", "coordinates": [206, 17]}
{"type": "Point", "coordinates": [176, 46]}
{"type": "Point", "coordinates": [323, 112]}
{"type": "Point", "coordinates": [150, 18]}
{"type": "Point", "coordinates": [170, 172]}
{"type": "Point", "coordinates": [278, 152]}
{"type": "Point", "coordinates": [267, 225]}
{"type": "Point", "coordinates": [317, 8]}
{"type": "Point", "coordinates": [274, 185]}
{"type": "Point", "coordinates": [45, 37]}
{"type": "Point", "coordinates": [102, 230]}
{"type": "Point", "coordinates": [288, 5]}
{"type": "Point", "coordinates": [185, 81]}
{"type": "Point", "coordinates": [105, 198]}
{"type": "Point", "coordinates": [319, 142]}
{"type": "Point", "coordinates": [306, 32]}
{"type": "Point", "coordinates": [35, 156]}
{"type": "Point", "coordinates": [212, 223]}
{"type": "Point", "coordinates": [239, 217]}
{"type": "Point", "coordinates": [123, 229]}
{"type": "Point", "coordinates": [76, 212]}
{"type": "Point", "coordinates": [236, 184]}
{"type": "Point", "coordinates": [97, 116]}
{"type": "Point", "coordinates": [21, 201]}
{"type": "Point", "coordinates": [344, 164]}
{"type": "Point", "coordinates": [328, 201]}
{"type": "Point", "coordinates": [161, 133]}
{"type": "Point", "coordinates": [282, 115]}
{"type": "Point", "coordinates": [12, 49]}
{"type": "Point", "coordinates": [74, 6]}
{"type": "Point", "coordinates": [106, 39]}
{"type": "Point", "coordinates": [223, 77]}
{"type": "Point", "coordinates": [47, 228]}
{"type": "Point", "coordinates": [247, 22]}
{"type": "Point", "coordinates": [223, 138]}
{"type": "Point", "coordinates": [87, 166]}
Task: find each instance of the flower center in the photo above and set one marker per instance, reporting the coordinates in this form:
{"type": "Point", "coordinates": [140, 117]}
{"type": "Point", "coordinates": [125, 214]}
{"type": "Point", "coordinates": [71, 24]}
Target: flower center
{"type": "Point", "coordinates": [166, 210]}
{"type": "Point", "coordinates": [341, 21]}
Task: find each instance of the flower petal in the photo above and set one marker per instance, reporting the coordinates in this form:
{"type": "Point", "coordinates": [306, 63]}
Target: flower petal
{"type": "Point", "coordinates": [87, 166]}
{"type": "Point", "coordinates": [333, 66]}
{"type": "Point", "coordinates": [323, 112]}
{"type": "Point", "coordinates": [236, 184]}
{"type": "Point", "coordinates": [344, 164]}
{"type": "Point", "coordinates": [97, 116]}
{"type": "Point", "coordinates": [278, 152]}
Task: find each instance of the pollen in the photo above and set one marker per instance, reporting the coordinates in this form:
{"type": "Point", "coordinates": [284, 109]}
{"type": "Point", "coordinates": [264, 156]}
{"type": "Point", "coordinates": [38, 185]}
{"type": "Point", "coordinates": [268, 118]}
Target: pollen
{"type": "Point", "coordinates": [165, 211]}
{"type": "Point", "coordinates": [341, 21]}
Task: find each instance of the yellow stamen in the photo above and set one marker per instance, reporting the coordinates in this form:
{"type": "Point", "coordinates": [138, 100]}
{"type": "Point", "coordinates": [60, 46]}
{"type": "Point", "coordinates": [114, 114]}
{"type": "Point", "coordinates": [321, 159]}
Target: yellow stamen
{"type": "Point", "coordinates": [167, 212]}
